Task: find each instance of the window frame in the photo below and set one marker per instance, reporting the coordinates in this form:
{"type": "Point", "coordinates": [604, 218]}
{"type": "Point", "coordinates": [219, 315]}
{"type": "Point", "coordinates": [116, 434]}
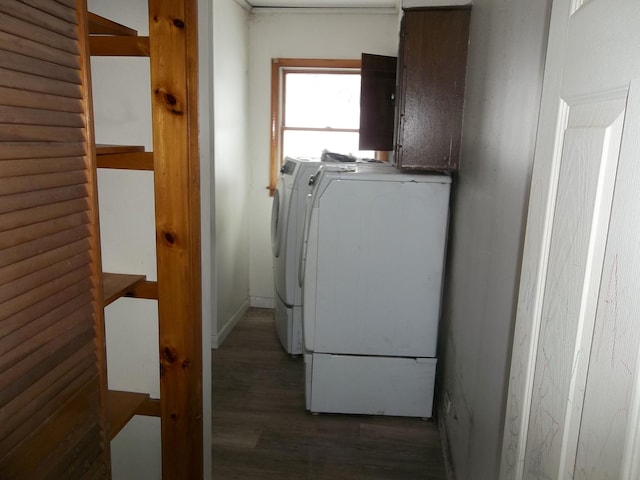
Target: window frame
{"type": "Point", "coordinates": [296, 65]}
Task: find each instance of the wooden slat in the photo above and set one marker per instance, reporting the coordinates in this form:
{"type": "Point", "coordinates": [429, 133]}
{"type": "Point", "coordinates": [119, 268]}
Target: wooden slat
{"type": "Point", "coordinates": [36, 83]}
{"type": "Point", "coordinates": [38, 246]}
{"type": "Point", "coordinates": [44, 36]}
{"type": "Point", "coordinates": [21, 269]}
{"type": "Point", "coordinates": [40, 149]}
{"type": "Point", "coordinates": [128, 161]}
{"type": "Point", "coordinates": [32, 200]}
{"type": "Point", "coordinates": [35, 295]}
{"type": "Point", "coordinates": [73, 4]}
{"type": "Point", "coordinates": [102, 26]}
{"type": "Point", "coordinates": [36, 222]}
{"type": "Point", "coordinates": [119, 46]}
{"type": "Point", "coordinates": [54, 8]}
{"type": "Point", "coordinates": [116, 285]}
{"type": "Point", "coordinates": [38, 133]}
{"type": "Point", "coordinates": [35, 334]}
{"type": "Point", "coordinates": [22, 373]}
{"type": "Point", "coordinates": [46, 380]}
{"type": "Point", "coordinates": [42, 275]}
{"type": "Point", "coordinates": [97, 471]}
{"type": "Point", "coordinates": [32, 416]}
{"type": "Point", "coordinates": [39, 117]}
{"type": "Point", "coordinates": [35, 166]}
{"type": "Point", "coordinates": [76, 463]}
{"type": "Point", "coordinates": [21, 63]}
{"type": "Point", "coordinates": [50, 215]}
{"type": "Point", "coordinates": [174, 80]}
{"type": "Point", "coordinates": [41, 20]}
{"type": "Point", "coordinates": [29, 183]}
{"type": "Point", "coordinates": [21, 98]}
{"type": "Point", "coordinates": [122, 407]}
{"type": "Point", "coordinates": [24, 46]}
{"type": "Point", "coordinates": [43, 452]}
{"type": "Point", "coordinates": [35, 317]}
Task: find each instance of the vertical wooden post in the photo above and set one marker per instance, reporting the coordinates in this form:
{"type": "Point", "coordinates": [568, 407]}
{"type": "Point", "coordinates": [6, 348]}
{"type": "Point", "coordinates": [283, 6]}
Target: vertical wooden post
{"type": "Point", "coordinates": [174, 80]}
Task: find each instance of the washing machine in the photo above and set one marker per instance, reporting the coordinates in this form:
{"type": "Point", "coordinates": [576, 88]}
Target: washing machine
{"type": "Point", "coordinates": [372, 269]}
{"type": "Point", "coordinates": [286, 237]}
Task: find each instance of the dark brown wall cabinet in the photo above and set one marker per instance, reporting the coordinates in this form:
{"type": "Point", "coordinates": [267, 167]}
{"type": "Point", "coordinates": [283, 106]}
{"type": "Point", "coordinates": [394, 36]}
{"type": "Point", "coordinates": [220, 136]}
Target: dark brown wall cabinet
{"type": "Point", "coordinates": [431, 74]}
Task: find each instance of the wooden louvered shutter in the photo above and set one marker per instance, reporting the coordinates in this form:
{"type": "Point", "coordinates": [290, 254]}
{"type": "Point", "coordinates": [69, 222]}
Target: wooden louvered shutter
{"type": "Point", "coordinates": [52, 376]}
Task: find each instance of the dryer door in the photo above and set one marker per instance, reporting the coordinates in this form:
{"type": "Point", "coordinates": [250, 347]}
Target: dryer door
{"type": "Point", "coordinates": [278, 218]}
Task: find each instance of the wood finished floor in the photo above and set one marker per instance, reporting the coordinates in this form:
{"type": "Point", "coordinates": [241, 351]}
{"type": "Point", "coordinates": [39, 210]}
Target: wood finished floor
{"type": "Point", "coordinates": [262, 431]}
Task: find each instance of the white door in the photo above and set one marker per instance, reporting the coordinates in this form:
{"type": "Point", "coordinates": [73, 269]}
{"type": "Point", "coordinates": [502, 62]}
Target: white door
{"type": "Point", "coordinates": [574, 394]}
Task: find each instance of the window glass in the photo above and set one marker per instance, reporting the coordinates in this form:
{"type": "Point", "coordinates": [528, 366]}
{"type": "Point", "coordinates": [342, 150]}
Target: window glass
{"type": "Point", "coordinates": [315, 106]}
{"type": "Point", "coordinates": [303, 143]}
{"type": "Point", "coordinates": [322, 100]}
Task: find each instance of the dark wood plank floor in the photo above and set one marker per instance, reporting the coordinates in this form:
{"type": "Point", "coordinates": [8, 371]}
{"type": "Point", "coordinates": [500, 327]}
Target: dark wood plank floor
{"type": "Point", "coordinates": [262, 431]}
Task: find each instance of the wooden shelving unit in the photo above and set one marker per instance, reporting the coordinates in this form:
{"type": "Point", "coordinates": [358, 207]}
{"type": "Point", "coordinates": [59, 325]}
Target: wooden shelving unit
{"type": "Point", "coordinates": [57, 416]}
{"type": "Point", "coordinates": [172, 50]}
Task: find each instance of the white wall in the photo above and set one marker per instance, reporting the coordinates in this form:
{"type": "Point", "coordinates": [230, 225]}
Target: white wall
{"type": "Point", "coordinates": [205, 124]}
{"type": "Point", "coordinates": [295, 34]}
{"type": "Point", "coordinates": [231, 166]}
{"type": "Point", "coordinates": [504, 76]}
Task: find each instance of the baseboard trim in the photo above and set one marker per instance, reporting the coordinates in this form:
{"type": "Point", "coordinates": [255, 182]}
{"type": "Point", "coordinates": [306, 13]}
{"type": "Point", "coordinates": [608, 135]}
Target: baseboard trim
{"type": "Point", "coordinates": [446, 450]}
{"type": "Point", "coordinates": [218, 339]}
{"type": "Point", "coordinates": [262, 302]}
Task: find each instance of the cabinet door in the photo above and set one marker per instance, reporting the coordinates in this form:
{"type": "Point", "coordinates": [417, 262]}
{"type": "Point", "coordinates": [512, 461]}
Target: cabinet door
{"type": "Point", "coordinates": [377, 101]}
{"type": "Point", "coordinates": [433, 55]}
{"type": "Point", "coordinates": [52, 378]}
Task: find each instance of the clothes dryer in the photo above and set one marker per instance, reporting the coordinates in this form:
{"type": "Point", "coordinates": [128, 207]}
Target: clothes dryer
{"type": "Point", "coordinates": [372, 268]}
{"type": "Point", "coordinates": [286, 237]}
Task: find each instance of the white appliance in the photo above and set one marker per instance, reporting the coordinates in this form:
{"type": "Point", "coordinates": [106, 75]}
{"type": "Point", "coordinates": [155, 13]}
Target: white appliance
{"type": "Point", "coordinates": [287, 219]}
{"type": "Point", "coordinates": [371, 268]}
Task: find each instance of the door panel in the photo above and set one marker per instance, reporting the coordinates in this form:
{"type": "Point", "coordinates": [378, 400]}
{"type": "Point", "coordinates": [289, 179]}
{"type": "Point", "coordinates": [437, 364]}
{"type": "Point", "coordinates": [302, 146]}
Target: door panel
{"type": "Point", "coordinates": [573, 390]}
{"type": "Point", "coordinates": [52, 378]}
{"type": "Point", "coordinates": [587, 171]}
{"type": "Point", "coordinates": [377, 101]}
{"type": "Point", "coordinates": [609, 390]}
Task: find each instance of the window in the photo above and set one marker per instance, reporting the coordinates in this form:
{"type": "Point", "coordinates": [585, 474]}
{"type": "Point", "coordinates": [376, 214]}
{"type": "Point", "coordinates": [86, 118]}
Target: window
{"type": "Point", "coordinates": [315, 105]}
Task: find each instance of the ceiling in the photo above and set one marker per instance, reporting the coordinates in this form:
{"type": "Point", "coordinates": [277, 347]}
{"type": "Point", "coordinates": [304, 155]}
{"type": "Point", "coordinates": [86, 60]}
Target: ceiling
{"type": "Point", "coordinates": [324, 3]}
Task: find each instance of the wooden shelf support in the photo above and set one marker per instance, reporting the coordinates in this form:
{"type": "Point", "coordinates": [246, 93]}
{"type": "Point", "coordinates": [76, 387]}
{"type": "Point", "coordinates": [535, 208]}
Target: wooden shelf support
{"type": "Point", "coordinates": [116, 285]}
{"type": "Point", "coordinates": [118, 46]}
{"type": "Point", "coordinates": [122, 407]}
{"type": "Point", "coordinates": [126, 157]}
{"type": "Point", "coordinates": [149, 408]}
{"type": "Point", "coordinates": [102, 26]}
{"type": "Point", "coordinates": [174, 87]}
{"type": "Point", "coordinates": [105, 149]}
